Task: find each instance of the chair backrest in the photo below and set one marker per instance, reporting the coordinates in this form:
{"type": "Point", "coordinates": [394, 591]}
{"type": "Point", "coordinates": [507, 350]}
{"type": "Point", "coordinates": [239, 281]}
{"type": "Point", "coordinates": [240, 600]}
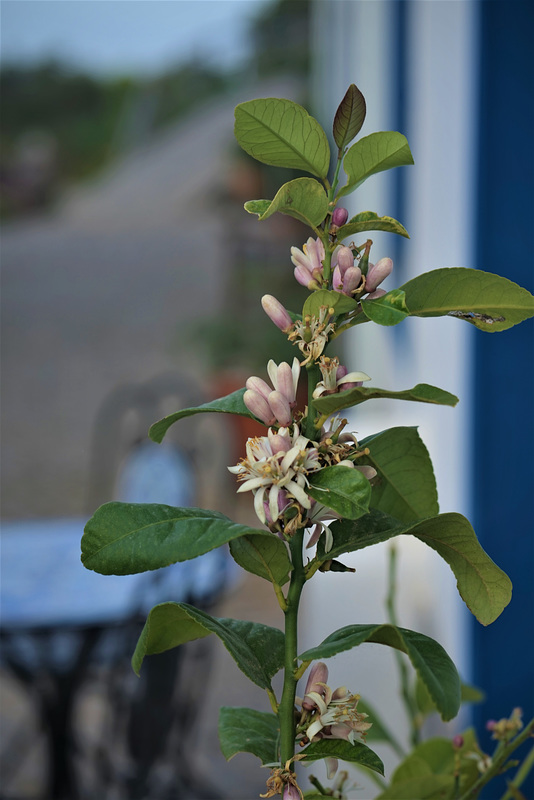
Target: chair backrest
{"type": "Point", "coordinates": [184, 471]}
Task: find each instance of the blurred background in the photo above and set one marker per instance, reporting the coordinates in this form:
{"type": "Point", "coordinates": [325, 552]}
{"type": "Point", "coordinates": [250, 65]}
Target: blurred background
{"type": "Point", "coordinates": [131, 279]}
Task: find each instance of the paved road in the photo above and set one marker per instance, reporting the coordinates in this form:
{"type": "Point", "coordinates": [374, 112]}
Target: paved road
{"type": "Point", "coordinates": [100, 294]}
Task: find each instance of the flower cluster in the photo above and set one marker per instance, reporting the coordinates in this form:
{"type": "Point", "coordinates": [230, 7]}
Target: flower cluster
{"type": "Point", "coordinates": [347, 276]}
{"type": "Point", "coordinates": [504, 729]}
{"type": "Point", "coordinates": [275, 469]}
{"type": "Point", "coordinates": [274, 406]}
{"type": "Point", "coordinates": [328, 714]}
{"type": "Point", "coordinates": [309, 263]}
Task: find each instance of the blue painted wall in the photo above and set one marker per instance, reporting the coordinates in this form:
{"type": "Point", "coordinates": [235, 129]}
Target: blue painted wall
{"type": "Point", "coordinates": [503, 455]}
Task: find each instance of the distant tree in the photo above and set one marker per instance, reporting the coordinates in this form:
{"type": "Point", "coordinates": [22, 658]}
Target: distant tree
{"type": "Point", "coordinates": [281, 36]}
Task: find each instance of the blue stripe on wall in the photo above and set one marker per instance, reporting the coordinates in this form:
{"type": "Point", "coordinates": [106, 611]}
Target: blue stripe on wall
{"type": "Point", "coordinates": [504, 363]}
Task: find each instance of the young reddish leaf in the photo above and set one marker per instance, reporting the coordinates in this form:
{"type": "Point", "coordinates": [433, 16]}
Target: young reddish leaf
{"type": "Point", "coordinates": [349, 118]}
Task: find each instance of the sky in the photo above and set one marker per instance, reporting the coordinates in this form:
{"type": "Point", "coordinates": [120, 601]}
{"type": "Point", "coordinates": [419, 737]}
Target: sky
{"type": "Point", "coordinates": [111, 37]}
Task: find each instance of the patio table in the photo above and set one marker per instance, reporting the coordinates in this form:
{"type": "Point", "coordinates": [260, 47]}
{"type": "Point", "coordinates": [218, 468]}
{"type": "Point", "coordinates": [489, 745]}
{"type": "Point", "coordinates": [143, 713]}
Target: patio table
{"type": "Point", "coordinates": [58, 617]}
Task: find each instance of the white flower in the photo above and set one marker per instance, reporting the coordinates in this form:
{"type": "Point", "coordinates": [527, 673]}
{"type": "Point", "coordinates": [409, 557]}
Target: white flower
{"type": "Point", "coordinates": [336, 378]}
{"type": "Point", "coordinates": [276, 463]}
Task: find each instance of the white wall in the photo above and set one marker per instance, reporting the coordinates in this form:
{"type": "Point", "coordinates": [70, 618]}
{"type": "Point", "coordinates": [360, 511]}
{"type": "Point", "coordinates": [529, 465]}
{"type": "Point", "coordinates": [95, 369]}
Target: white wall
{"type": "Point", "coordinates": [353, 44]}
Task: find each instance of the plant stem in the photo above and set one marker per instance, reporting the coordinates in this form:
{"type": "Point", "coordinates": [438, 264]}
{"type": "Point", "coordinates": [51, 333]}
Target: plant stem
{"type": "Point", "coordinates": [406, 692]}
{"type": "Point", "coordinates": [318, 785]}
{"type": "Point", "coordinates": [327, 262]}
{"type": "Point", "coordinates": [335, 178]}
{"type": "Point", "coordinates": [520, 775]}
{"type": "Point", "coordinates": [314, 375]}
{"type": "Point", "coordinates": [286, 714]}
{"type": "Point", "coordinates": [498, 762]}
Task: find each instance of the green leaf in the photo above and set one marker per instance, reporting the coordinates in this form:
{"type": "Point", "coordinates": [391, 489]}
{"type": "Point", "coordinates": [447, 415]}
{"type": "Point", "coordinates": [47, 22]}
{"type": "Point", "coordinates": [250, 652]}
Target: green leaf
{"type": "Point", "coordinates": [426, 787]}
{"type": "Point", "coordinates": [372, 154]}
{"type": "Point", "coordinates": [304, 199]}
{"type": "Point", "coordinates": [344, 489]}
{"type": "Point", "coordinates": [263, 554]}
{"type": "Point", "coordinates": [406, 486]}
{"type": "Point", "coordinates": [428, 658]}
{"type": "Point", "coordinates": [258, 650]}
{"type": "Point", "coordinates": [231, 404]}
{"type": "Point", "coordinates": [349, 118]}
{"type": "Point", "coordinates": [425, 704]}
{"type": "Point", "coordinates": [313, 796]}
{"type": "Point", "coordinates": [282, 133]}
{"type": "Point", "coordinates": [356, 753]}
{"type": "Point", "coordinates": [125, 538]}
{"type": "Point", "coordinates": [390, 309]}
{"type": "Point", "coordinates": [488, 301]}
{"type": "Point", "coordinates": [435, 759]}
{"type": "Point", "coordinates": [243, 730]}
{"type": "Point", "coordinates": [258, 207]}
{"type": "Point", "coordinates": [472, 694]}
{"type": "Point", "coordinates": [324, 297]}
{"type": "Point", "coordinates": [422, 393]}
{"type": "Point", "coordinates": [485, 589]}
{"type": "Point", "coordinates": [370, 221]}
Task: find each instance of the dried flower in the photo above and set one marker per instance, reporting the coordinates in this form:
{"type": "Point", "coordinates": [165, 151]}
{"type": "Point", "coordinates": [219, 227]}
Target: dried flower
{"type": "Point", "coordinates": [311, 335]}
{"type": "Point", "coordinates": [505, 728]}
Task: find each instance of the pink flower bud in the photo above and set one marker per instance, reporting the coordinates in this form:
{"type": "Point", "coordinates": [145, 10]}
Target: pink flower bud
{"type": "Point", "coordinates": [258, 385]}
{"type": "Point", "coordinates": [340, 216]}
{"type": "Point", "coordinates": [345, 259]}
{"type": "Point", "coordinates": [284, 382]}
{"type": "Point", "coordinates": [337, 280]}
{"type": "Point", "coordinates": [351, 279]}
{"type": "Point", "coordinates": [291, 792]}
{"type": "Point", "coordinates": [317, 677]}
{"type": "Point", "coordinates": [458, 742]}
{"type": "Point", "coordinates": [280, 408]}
{"type": "Point", "coordinates": [341, 371]}
{"type": "Point", "coordinates": [259, 406]}
{"type": "Point", "coordinates": [377, 273]}
{"type": "Point", "coordinates": [279, 444]}
{"type": "Point", "coordinates": [276, 312]}
{"type": "Point", "coordinates": [314, 249]}
{"type": "Point", "coordinates": [303, 275]}
{"type": "Point", "coordinates": [376, 294]}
